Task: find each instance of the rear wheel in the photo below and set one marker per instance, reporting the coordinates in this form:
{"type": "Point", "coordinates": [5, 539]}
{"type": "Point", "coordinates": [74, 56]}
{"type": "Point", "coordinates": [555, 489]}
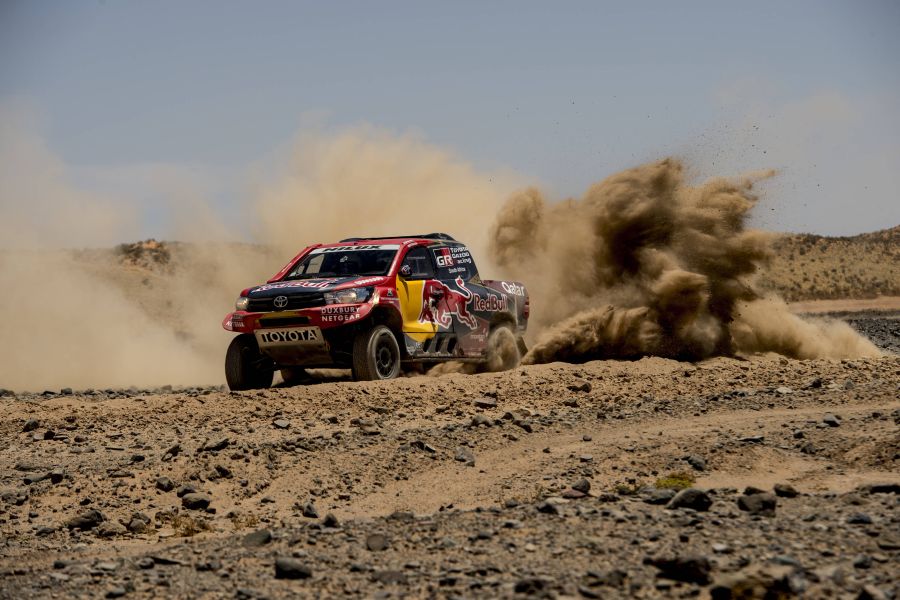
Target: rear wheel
{"type": "Point", "coordinates": [376, 354]}
{"type": "Point", "coordinates": [245, 367]}
{"type": "Point", "coordinates": [502, 349]}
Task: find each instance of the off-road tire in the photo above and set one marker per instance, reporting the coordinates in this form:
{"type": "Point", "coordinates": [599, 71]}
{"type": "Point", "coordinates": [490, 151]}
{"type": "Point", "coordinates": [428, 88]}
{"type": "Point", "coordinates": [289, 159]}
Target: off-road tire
{"type": "Point", "coordinates": [503, 350]}
{"type": "Point", "coordinates": [376, 354]}
{"type": "Point", "coordinates": [245, 367]}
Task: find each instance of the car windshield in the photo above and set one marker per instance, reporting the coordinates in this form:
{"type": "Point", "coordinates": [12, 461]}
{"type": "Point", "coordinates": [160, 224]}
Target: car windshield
{"type": "Point", "coordinates": [342, 261]}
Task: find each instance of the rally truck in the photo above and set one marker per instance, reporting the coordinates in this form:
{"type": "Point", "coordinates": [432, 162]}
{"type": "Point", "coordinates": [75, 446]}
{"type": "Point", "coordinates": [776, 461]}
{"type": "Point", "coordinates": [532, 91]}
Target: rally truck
{"type": "Point", "coordinates": [378, 306]}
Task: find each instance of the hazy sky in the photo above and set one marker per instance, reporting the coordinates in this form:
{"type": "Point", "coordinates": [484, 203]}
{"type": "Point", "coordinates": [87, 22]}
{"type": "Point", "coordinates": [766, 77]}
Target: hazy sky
{"type": "Point", "coordinates": [108, 95]}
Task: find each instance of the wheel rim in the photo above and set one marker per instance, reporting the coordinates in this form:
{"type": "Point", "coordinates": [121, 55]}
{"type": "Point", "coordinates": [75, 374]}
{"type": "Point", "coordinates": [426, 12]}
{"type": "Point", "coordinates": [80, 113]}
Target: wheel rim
{"type": "Point", "coordinates": [385, 358]}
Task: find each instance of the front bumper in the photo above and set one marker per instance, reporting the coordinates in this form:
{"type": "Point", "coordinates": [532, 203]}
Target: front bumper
{"type": "Point", "coordinates": [323, 317]}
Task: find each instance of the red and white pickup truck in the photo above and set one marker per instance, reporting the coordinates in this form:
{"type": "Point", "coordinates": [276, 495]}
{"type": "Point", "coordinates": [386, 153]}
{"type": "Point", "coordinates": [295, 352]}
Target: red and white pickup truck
{"type": "Point", "coordinates": [375, 305]}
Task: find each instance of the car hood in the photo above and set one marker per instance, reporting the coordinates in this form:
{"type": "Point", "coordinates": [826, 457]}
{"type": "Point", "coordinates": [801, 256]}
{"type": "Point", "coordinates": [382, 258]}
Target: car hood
{"type": "Point", "coordinates": [307, 286]}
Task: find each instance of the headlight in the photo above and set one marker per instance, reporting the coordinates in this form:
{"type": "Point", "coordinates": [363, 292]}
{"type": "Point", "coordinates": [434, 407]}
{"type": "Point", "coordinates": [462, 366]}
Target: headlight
{"type": "Point", "coordinates": [242, 303]}
{"type": "Point", "coordinates": [348, 296]}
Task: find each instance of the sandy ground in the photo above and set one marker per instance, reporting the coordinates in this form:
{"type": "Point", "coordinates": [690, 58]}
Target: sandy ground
{"type": "Point", "coordinates": [467, 478]}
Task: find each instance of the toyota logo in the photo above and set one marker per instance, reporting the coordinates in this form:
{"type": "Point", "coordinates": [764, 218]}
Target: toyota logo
{"type": "Point", "coordinates": [280, 301]}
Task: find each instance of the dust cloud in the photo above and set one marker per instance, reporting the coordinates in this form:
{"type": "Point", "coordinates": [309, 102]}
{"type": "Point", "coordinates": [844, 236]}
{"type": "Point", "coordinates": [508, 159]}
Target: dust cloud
{"type": "Point", "coordinates": [645, 264]}
{"type": "Point", "coordinates": [147, 315]}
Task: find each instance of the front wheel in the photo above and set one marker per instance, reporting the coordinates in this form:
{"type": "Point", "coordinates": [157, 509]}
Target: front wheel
{"type": "Point", "coordinates": [245, 367]}
{"type": "Point", "coordinates": [376, 355]}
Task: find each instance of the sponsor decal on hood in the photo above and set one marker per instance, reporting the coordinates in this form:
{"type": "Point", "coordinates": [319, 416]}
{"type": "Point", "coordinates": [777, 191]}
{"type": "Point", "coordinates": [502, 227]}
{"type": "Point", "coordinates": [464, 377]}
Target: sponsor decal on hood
{"type": "Point", "coordinates": [327, 284]}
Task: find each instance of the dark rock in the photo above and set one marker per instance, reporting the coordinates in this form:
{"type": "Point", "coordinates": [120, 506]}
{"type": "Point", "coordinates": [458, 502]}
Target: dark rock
{"type": "Point", "coordinates": [485, 403]}
{"type": "Point", "coordinates": [425, 447]}
{"type": "Point", "coordinates": [208, 565]}
{"type": "Point", "coordinates": [831, 420]}
{"type": "Point", "coordinates": [389, 577]}
{"type": "Point", "coordinates": [582, 386]}
{"type": "Point", "coordinates": [859, 519]}
{"type": "Point", "coordinates": [57, 475]}
{"type": "Point", "coordinates": [291, 568]}
{"type": "Point", "coordinates": [376, 542]}
{"type": "Point", "coordinates": [531, 586]}
{"type": "Point", "coordinates": [758, 504]}
{"type": "Point", "coordinates": [785, 490]}
{"type": "Point", "coordinates": [196, 501]}
{"type": "Point", "coordinates": [258, 538]}
{"type": "Point", "coordinates": [184, 490]}
{"type": "Point", "coordinates": [614, 578]}
{"type": "Point", "coordinates": [330, 521]}
{"type": "Point", "coordinates": [881, 488]}
{"type": "Point", "coordinates": [310, 511]}
{"type": "Point", "coordinates": [863, 561]}
{"type": "Point", "coordinates": [31, 425]}
{"type": "Point", "coordinates": [698, 463]}
{"type": "Point", "coordinates": [166, 560]}
{"type": "Point", "coordinates": [465, 455]}
{"type": "Point", "coordinates": [138, 525]}
{"type": "Point", "coordinates": [49, 434]}
{"type": "Point", "coordinates": [120, 474]}
{"type": "Point", "coordinates": [756, 582]}
{"type": "Point", "coordinates": [524, 424]}
{"type": "Point", "coordinates": [33, 478]}
{"type": "Point", "coordinates": [145, 563]}
{"type": "Point", "coordinates": [691, 498]}
{"type": "Point", "coordinates": [216, 446]}
{"type": "Point", "coordinates": [111, 529]}
{"type": "Point", "coordinates": [116, 592]}
{"type": "Point", "coordinates": [548, 508]}
{"type": "Point", "coordinates": [85, 520]}
{"type": "Point", "coordinates": [870, 592]}
{"type": "Point", "coordinates": [582, 485]}
{"type": "Point", "coordinates": [404, 516]}
{"type": "Point", "coordinates": [573, 494]}
{"type": "Point", "coordinates": [753, 439]}
{"type": "Point", "coordinates": [690, 569]}
{"type": "Point", "coordinates": [17, 497]}
{"type": "Point", "coordinates": [888, 542]}
{"type": "Point", "coordinates": [480, 420]}
{"type": "Point", "coordinates": [165, 484]}
{"type": "Point", "coordinates": [659, 495]}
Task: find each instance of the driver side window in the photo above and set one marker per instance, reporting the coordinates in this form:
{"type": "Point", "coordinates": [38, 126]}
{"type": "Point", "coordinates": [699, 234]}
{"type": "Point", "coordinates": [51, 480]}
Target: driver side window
{"type": "Point", "coordinates": [417, 264]}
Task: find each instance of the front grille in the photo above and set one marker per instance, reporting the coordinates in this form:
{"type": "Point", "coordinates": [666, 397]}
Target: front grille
{"type": "Point", "coordinates": [283, 321]}
{"type": "Point", "coordinates": [294, 302]}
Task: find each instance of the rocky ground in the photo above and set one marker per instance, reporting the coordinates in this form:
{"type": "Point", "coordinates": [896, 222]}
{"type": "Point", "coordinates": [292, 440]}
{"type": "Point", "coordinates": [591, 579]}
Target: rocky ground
{"type": "Point", "coordinates": [546, 481]}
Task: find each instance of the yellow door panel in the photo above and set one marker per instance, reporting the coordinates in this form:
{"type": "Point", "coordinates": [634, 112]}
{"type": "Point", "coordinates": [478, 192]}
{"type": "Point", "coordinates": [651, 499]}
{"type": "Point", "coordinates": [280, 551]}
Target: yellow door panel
{"type": "Point", "coordinates": [410, 293]}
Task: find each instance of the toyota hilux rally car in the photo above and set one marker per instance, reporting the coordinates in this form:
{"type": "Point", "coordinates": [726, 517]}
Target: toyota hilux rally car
{"type": "Point", "coordinates": [375, 305]}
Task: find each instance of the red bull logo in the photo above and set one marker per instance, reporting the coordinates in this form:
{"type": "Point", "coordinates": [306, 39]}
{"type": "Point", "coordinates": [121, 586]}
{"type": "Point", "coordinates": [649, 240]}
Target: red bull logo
{"type": "Point", "coordinates": [440, 302]}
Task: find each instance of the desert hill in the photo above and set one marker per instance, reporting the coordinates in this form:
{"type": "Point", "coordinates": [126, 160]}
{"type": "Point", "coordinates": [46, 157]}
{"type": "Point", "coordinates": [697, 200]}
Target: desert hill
{"type": "Point", "coordinates": [815, 267]}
